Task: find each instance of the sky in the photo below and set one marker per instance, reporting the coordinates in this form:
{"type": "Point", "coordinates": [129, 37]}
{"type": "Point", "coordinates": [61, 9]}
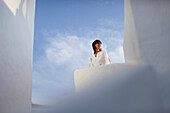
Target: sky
{"type": "Point", "coordinates": [64, 32]}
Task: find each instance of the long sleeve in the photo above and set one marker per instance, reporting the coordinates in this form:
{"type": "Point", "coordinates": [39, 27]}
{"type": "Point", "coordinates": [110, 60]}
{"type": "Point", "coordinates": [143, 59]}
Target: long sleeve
{"type": "Point", "coordinates": [107, 59]}
{"type": "Point", "coordinates": [90, 62]}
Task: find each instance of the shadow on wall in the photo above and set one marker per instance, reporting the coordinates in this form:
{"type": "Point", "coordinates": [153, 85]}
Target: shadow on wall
{"type": "Point", "coordinates": [20, 8]}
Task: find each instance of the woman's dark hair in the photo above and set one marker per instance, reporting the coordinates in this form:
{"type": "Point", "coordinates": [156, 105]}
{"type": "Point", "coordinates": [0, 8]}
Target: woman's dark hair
{"type": "Point", "coordinates": [96, 42]}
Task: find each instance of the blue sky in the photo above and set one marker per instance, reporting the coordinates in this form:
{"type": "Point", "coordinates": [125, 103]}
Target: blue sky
{"type": "Point", "coordinates": [64, 31]}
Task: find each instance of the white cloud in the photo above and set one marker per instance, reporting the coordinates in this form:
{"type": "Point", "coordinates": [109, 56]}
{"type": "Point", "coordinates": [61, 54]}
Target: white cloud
{"type": "Point", "coordinates": [110, 23]}
{"type": "Point", "coordinates": [68, 50]}
{"type": "Point", "coordinates": [117, 55]}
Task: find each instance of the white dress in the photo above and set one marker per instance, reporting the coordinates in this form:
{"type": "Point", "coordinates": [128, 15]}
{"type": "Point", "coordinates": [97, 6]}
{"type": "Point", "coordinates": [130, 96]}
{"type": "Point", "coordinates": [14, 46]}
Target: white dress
{"type": "Point", "coordinates": [101, 59]}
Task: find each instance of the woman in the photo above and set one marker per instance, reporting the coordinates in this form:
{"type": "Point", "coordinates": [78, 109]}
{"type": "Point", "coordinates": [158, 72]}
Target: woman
{"type": "Point", "coordinates": [99, 57]}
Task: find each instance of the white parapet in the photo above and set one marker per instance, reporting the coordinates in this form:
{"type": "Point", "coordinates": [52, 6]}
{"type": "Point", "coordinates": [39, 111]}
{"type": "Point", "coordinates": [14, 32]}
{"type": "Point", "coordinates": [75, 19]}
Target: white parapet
{"type": "Point", "coordinates": [119, 88]}
{"type": "Point", "coordinates": [86, 78]}
{"type": "Point", "coordinates": [16, 55]}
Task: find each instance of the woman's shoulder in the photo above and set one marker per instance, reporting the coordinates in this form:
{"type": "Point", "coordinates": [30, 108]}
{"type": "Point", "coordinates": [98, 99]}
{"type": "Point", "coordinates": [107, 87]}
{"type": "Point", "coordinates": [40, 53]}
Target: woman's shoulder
{"type": "Point", "coordinates": [103, 51]}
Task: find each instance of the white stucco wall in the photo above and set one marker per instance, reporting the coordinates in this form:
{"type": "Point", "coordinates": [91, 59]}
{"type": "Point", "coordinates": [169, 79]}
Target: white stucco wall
{"type": "Point", "coordinates": [147, 22]}
{"type": "Point", "coordinates": [16, 55]}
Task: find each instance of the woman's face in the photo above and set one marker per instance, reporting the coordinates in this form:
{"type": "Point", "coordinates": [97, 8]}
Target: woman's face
{"type": "Point", "coordinates": [98, 45]}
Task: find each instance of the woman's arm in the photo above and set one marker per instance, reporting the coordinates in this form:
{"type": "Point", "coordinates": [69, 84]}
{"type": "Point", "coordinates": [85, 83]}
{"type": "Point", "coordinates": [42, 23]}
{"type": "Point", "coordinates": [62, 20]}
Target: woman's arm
{"type": "Point", "coordinates": [90, 62]}
{"type": "Point", "coordinates": [107, 59]}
